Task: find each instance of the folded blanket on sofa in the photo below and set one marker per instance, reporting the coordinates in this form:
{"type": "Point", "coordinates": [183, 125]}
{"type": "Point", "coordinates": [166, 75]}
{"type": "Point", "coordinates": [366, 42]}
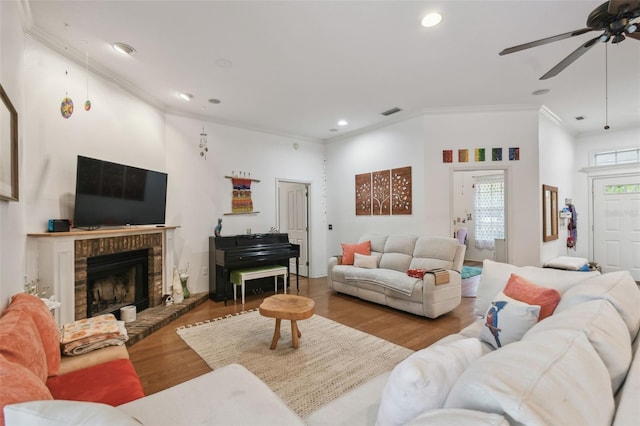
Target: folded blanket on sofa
{"type": "Point", "coordinates": [89, 334]}
{"type": "Point", "coordinates": [388, 278]}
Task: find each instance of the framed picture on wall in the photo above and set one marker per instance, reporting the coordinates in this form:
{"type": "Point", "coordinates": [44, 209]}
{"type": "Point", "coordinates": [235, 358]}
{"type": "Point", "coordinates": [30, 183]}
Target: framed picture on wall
{"type": "Point", "coordinates": [8, 149]}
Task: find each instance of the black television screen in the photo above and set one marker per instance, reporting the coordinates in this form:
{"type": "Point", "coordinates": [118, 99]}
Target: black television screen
{"type": "Point", "coordinates": [110, 194]}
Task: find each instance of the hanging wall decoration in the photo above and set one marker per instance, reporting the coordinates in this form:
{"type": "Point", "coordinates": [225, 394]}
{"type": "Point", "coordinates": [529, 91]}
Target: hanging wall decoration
{"type": "Point", "coordinates": [463, 155]}
{"type": "Point", "coordinates": [363, 194]}
{"type": "Point", "coordinates": [203, 144]}
{"type": "Point", "coordinates": [384, 192]}
{"type": "Point", "coordinates": [479, 154]}
{"type": "Point", "coordinates": [401, 190]}
{"type": "Point", "coordinates": [241, 202]}
{"type": "Point", "coordinates": [66, 106]}
{"type": "Point", "coordinates": [447, 156]}
{"type": "Point", "coordinates": [514, 154]}
{"type": "Point", "coordinates": [496, 154]}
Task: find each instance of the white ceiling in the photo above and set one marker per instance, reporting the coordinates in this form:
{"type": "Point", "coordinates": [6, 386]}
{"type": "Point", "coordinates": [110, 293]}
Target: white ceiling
{"type": "Point", "coordinates": [297, 67]}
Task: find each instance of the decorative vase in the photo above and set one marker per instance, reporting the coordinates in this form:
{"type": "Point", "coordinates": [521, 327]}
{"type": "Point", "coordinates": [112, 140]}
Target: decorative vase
{"type": "Point", "coordinates": [184, 278]}
{"type": "Point", "coordinates": [178, 297]}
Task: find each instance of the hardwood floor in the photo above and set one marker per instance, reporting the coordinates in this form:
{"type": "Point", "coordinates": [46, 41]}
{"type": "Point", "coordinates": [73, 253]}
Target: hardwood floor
{"type": "Point", "coordinates": [163, 360]}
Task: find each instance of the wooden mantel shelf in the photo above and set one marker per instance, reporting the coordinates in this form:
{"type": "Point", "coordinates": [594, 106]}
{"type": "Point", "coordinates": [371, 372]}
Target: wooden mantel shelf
{"type": "Point", "coordinates": [243, 177]}
{"type": "Point", "coordinates": [103, 232]}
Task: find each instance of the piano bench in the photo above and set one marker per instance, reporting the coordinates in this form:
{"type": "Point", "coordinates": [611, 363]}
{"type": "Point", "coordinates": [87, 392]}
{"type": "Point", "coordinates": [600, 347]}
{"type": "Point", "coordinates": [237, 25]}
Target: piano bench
{"type": "Point", "coordinates": [239, 276]}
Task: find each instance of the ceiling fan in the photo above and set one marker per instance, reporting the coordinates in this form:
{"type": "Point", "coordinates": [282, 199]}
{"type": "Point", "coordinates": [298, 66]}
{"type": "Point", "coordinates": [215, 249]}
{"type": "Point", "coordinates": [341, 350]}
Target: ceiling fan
{"type": "Point", "coordinates": [615, 18]}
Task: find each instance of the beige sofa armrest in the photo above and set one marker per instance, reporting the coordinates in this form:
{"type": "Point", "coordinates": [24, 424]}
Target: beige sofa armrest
{"type": "Point", "coordinates": [99, 356]}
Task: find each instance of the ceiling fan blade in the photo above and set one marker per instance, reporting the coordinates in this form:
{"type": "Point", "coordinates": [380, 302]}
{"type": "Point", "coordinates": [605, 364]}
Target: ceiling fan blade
{"type": "Point", "coordinates": [635, 35]}
{"type": "Point", "coordinates": [614, 5]}
{"type": "Point", "coordinates": [544, 41]}
{"type": "Point", "coordinates": [570, 59]}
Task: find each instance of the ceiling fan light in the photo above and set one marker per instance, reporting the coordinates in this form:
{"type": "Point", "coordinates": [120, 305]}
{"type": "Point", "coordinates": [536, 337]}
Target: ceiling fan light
{"type": "Point", "coordinates": [604, 38]}
{"type": "Point", "coordinates": [632, 28]}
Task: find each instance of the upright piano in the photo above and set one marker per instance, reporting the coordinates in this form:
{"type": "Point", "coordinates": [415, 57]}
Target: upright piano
{"type": "Point", "coordinates": [246, 251]}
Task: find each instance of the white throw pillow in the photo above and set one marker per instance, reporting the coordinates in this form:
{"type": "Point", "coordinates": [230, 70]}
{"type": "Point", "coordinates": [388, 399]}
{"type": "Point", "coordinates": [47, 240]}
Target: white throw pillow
{"type": "Point", "coordinates": [604, 328]}
{"type": "Point", "coordinates": [364, 261]}
{"type": "Point", "coordinates": [553, 378]}
{"type": "Point", "coordinates": [62, 413]}
{"type": "Point", "coordinates": [507, 320]}
{"type": "Point", "coordinates": [422, 381]}
{"type": "Point", "coordinates": [567, 262]}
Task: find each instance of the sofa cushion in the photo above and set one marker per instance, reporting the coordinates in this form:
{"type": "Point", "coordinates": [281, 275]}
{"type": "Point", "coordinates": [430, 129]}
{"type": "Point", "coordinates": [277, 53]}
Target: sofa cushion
{"type": "Point", "coordinates": [495, 276]}
{"type": "Point", "coordinates": [553, 378]}
{"type": "Point", "coordinates": [46, 325]}
{"type": "Point", "coordinates": [377, 241]}
{"type": "Point", "coordinates": [349, 250]}
{"type": "Point", "coordinates": [387, 278]}
{"type": "Point", "coordinates": [398, 252]}
{"type": "Point", "coordinates": [20, 342]}
{"type": "Point", "coordinates": [19, 384]}
{"type": "Point", "coordinates": [507, 320]}
{"type": "Point", "coordinates": [458, 416]}
{"type": "Point", "coordinates": [422, 381]}
{"type": "Point", "coordinates": [605, 330]}
{"type": "Point", "coordinates": [618, 288]}
{"type": "Point", "coordinates": [434, 252]}
{"type": "Point", "coordinates": [114, 383]}
{"type": "Point", "coordinates": [57, 413]}
{"type": "Point", "coordinates": [364, 261]}
{"type": "Point", "coordinates": [525, 291]}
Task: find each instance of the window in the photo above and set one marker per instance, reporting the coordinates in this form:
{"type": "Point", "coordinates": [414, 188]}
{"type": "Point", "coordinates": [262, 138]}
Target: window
{"type": "Point", "coordinates": [623, 156]}
{"type": "Point", "coordinates": [489, 210]}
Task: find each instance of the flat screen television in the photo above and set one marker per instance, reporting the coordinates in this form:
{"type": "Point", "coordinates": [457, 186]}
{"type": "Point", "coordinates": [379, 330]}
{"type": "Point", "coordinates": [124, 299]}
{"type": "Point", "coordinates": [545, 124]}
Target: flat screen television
{"type": "Point", "coordinates": [111, 194]}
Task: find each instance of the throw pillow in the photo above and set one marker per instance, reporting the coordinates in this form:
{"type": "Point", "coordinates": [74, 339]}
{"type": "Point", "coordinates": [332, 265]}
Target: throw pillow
{"type": "Point", "coordinates": [525, 291]}
{"type": "Point", "coordinates": [422, 381]}
{"type": "Point", "coordinates": [349, 251]}
{"type": "Point", "coordinates": [364, 261]}
{"type": "Point", "coordinates": [507, 320]}
{"type": "Point", "coordinates": [56, 413]}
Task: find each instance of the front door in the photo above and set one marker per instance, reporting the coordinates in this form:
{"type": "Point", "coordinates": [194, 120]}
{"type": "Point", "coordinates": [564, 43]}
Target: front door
{"type": "Point", "coordinates": [294, 219]}
{"type": "Point", "coordinates": [616, 224]}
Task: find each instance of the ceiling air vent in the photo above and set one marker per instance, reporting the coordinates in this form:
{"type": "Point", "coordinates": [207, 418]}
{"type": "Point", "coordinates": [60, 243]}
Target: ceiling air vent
{"type": "Point", "coordinates": [391, 111]}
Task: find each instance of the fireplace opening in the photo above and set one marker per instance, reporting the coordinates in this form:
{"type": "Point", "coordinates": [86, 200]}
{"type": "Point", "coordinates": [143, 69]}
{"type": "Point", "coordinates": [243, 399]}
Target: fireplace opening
{"type": "Point", "coordinates": [117, 280]}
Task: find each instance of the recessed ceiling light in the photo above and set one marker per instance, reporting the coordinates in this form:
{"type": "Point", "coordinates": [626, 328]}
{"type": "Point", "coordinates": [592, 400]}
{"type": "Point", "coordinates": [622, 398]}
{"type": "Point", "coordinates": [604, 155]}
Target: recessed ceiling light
{"type": "Point", "coordinates": [124, 49]}
{"type": "Point", "coordinates": [185, 96]}
{"type": "Point", "coordinates": [342, 123]}
{"type": "Point", "coordinates": [540, 92]}
{"type": "Point", "coordinates": [333, 130]}
{"type": "Point", "coordinates": [580, 117]}
{"type": "Point", "coordinates": [214, 101]}
{"type": "Point", "coordinates": [431, 20]}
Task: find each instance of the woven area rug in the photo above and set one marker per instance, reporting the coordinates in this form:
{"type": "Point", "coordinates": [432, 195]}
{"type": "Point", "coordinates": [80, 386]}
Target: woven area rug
{"type": "Point", "coordinates": [330, 360]}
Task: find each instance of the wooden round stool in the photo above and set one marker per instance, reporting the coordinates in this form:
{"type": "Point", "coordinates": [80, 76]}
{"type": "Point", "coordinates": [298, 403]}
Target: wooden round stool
{"type": "Point", "coordinates": [287, 307]}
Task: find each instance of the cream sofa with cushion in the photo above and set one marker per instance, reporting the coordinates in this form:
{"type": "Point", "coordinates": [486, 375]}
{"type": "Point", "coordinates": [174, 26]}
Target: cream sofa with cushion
{"type": "Point", "coordinates": [386, 281]}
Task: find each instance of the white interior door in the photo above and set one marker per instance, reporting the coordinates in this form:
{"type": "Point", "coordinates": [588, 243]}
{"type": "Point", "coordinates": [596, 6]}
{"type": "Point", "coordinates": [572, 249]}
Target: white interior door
{"type": "Point", "coordinates": [616, 224]}
{"type": "Point", "coordinates": [293, 219]}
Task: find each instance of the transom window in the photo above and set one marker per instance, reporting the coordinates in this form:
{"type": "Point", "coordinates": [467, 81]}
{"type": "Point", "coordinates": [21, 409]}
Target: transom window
{"type": "Point", "coordinates": [622, 156]}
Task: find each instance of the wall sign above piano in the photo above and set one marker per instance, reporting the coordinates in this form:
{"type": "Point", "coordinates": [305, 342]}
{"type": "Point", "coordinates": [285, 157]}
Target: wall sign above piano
{"type": "Point", "coordinates": [241, 202]}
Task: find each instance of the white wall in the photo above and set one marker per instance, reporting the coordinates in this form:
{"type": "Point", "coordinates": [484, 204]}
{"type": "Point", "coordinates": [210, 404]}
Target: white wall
{"type": "Point", "coordinates": [557, 169]}
{"type": "Point", "coordinates": [12, 241]}
{"type": "Point", "coordinates": [419, 142]}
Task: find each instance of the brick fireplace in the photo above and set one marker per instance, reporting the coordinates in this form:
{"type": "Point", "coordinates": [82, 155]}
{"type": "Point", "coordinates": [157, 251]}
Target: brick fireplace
{"type": "Point", "coordinates": [85, 249]}
{"type": "Point", "coordinates": [61, 262]}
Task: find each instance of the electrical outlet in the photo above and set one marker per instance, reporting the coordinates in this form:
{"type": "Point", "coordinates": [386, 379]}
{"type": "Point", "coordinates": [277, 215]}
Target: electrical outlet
{"type": "Point", "coordinates": [205, 270]}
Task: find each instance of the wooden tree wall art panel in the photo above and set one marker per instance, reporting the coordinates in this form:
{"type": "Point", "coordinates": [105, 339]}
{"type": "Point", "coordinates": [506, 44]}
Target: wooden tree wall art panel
{"type": "Point", "coordinates": [363, 194]}
{"type": "Point", "coordinates": [401, 191]}
{"type": "Point", "coordinates": [381, 192]}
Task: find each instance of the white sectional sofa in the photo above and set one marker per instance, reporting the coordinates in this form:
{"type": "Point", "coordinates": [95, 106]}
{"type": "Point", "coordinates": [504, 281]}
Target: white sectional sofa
{"type": "Point", "coordinates": [578, 366]}
{"type": "Point", "coordinates": [388, 283]}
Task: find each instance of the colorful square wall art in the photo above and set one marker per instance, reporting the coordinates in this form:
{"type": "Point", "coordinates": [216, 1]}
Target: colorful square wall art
{"type": "Point", "coordinates": [463, 155]}
{"type": "Point", "coordinates": [496, 154]}
{"type": "Point", "coordinates": [381, 192]}
{"type": "Point", "coordinates": [363, 194]}
{"type": "Point", "coordinates": [514, 154]}
{"type": "Point", "coordinates": [401, 190]}
{"type": "Point", "coordinates": [447, 156]}
{"type": "Point", "coordinates": [479, 154]}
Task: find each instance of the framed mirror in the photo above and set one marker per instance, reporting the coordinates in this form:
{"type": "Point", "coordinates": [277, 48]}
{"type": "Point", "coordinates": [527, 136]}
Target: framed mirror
{"type": "Point", "coordinates": [549, 213]}
{"type": "Point", "coordinates": [8, 149]}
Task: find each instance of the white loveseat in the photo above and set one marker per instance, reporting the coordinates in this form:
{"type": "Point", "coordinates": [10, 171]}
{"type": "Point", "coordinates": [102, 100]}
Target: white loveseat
{"type": "Point", "coordinates": [388, 283]}
{"type": "Point", "coordinates": [579, 366]}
